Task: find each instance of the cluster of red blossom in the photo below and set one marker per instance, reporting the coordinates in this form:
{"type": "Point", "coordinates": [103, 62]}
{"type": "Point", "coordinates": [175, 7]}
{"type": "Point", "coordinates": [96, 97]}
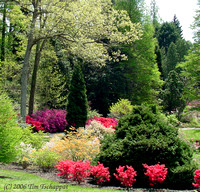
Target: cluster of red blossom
{"type": "Point", "coordinates": [77, 171]}
{"type": "Point", "coordinates": [197, 178]}
{"type": "Point", "coordinates": [34, 123]}
{"type": "Point", "coordinates": [105, 121]}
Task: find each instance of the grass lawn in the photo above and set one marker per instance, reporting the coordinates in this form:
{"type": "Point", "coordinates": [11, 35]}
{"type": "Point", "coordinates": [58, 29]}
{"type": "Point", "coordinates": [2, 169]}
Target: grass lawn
{"type": "Point", "coordinates": [192, 135]}
{"type": "Point", "coordinates": [26, 182]}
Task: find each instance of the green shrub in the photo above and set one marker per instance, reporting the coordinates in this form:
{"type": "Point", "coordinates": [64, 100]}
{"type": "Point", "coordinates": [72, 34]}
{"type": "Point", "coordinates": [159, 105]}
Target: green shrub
{"type": "Point", "coordinates": [121, 108]}
{"type": "Point", "coordinates": [10, 131]}
{"type": "Point", "coordinates": [45, 159]}
{"type": "Point", "coordinates": [36, 139]}
{"type": "Point", "coordinates": [145, 136]}
{"type": "Point", "coordinates": [182, 176]}
{"type": "Point", "coordinates": [93, 113]}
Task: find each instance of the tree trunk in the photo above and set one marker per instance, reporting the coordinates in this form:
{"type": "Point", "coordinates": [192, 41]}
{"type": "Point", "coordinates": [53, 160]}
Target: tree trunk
{"type": "Point", "coordinates": [24, 78]}
{"type": "Point", "coordinates": [34, 76]}
{"type": "Point", "coordinates": [3, 33]}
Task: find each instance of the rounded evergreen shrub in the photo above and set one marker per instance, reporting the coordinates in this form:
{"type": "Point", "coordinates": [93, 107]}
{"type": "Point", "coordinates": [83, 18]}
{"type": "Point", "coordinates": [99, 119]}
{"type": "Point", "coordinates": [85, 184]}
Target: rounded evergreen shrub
{"type": "Point", "coordinates": [145, 136]}
{"type": "Point", "coordinates": [10, 131]}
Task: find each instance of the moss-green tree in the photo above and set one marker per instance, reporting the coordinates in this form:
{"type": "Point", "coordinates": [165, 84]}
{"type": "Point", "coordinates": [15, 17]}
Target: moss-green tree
{"type": "Point", "coordinates": [10, 132]}
{"type": "Point", "coordinates": [77, 106]}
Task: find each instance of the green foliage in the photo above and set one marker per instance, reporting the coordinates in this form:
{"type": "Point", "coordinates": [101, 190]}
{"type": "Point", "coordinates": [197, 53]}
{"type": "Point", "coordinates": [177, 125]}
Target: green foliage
{"type": "Point", "coordinates": [172, 94]}
{"type": "Point", "coordinates": [142, 60]}
{"type": "Point", "coordinates": [191, 73]}
{"type": "Point", "coordinates": [93, 113]}
{"type": "Point", "coordinates": [77, 107]}
{"type": "Point", "coordinates": [145, 136]}
{"type": "Point", "coordinates": [45, 159]}
{"type": "Point", "coordinates": [167, 34]}
{"type": "Point", "coordinates": [52, 83]}
{"type": "Point", "coordinates": [10, 131]}
{"type": "Point", "coordinates": [181, 177]}
{"type": "Point", "coordinates": [173, 120]}
{"type": "Point", "coordinates": [171, 60]}
{"type": "Point", "coordinates": [121, 108]}
{"type": "Point", "coordinates": [36, 139]}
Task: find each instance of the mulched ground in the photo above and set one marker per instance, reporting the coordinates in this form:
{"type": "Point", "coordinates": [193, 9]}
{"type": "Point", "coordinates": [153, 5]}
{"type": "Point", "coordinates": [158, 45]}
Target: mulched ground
{"type": "Point", "coordinates": [52, 175]}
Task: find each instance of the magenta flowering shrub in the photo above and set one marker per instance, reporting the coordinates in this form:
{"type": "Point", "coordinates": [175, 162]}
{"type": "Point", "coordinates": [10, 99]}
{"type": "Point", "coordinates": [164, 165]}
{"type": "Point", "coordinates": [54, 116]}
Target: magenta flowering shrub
{"type": "Point", "coordinates": [53, 120]}
{"type": "Point", "coordinates": [100, 173]}
{"type": "Point", "coordinates": [197, 178]}
{"type": "Point", "coordinates": [126, 177]}
{"type": "Point", "coordinates": [105, 121]}
{"type": "Point", "coordinates": [157, 173]}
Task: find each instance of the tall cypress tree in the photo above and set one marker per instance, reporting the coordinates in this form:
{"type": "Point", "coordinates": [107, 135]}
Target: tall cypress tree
{"type": "Point", "coordinates": [77, 106]}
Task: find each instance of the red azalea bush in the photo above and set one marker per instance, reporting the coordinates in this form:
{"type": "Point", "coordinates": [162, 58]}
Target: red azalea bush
{"type": "Point", "coordinates": [105, 121]}
{"type": "Point", "coordinates": [74, 171]}
{"type": "Point", "coordinates": [101, 174]}
{"type": "Point", "coordinates": [53, 120]}
{"type": "Point", "coordinates": [157, 173]}
{"type": "Point", "coordinates": [37, 125]}
{"type": "Point", "coordinates": [126, 177]}
{"type": "Point", "coordinates": [197, 179]}
{"type": "Point", "coordinates": [64, 168]}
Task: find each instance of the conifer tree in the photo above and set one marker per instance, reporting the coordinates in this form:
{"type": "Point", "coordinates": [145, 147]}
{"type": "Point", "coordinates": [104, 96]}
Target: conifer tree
{"type": "Point", "coordinates": [77, 105]}
{"type": "Point", "coordinates": [173, 92]}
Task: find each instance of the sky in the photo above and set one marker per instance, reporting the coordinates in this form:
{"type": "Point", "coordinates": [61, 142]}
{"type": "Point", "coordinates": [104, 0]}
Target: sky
{"type": "Point", "coordinates": [184, 10]}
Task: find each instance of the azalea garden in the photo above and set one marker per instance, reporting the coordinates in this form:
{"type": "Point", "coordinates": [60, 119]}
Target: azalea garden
{"type": "Point", "coordinates": [98, 92]}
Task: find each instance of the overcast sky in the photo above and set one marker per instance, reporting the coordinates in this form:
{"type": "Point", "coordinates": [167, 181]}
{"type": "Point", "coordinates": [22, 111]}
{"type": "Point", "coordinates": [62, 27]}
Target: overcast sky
{"type": "Point", "coordinates": [184, 10]}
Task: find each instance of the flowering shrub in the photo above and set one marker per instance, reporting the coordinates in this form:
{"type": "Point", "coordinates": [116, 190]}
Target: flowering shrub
{"type": "Point", "coordinates": [64, 168]}
{"type": "Point", "coordinates": [98, 130]}
{"type": "Point", "coordinates": [106, 122]}
{"type": "Point", "coordinates": [157, 173]}
{"type": "Point", "coordinates": [53, 120]}
{"type": "Point", "coordinates": [77, 145]}
{"type": "Point", "coordinates": [24, 157]}
{"type": "Point", "coordinates": [101, 174]}
{"type": "Point", "coordinates": [197, 179]}
{"type": "Point", "coordinates": [126, 177]}
{"type": "Point", "coordinates": [74, 171]}
{"type": "Point", "coordinates": [37, 125]}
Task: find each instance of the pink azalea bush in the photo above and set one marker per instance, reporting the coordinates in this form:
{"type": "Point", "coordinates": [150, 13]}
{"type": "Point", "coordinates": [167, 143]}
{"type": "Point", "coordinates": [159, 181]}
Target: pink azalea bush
{"type": "Point", "coordinates": [37, 125]}
{"type": "Point", "coordinates": [105, 121]}
{"type": "Point", "coordinates": [74, 171]}
{"type": "Point", "coordinates": [197, 178]}
{"type": "Point", "coordinates": [126, 177]}
{"type": "Point", "coordinates": [100, 173]}
{"type": "Point", "coordinates": [53, 120]}
{"type": "Point", "coordinates": [157, 173]}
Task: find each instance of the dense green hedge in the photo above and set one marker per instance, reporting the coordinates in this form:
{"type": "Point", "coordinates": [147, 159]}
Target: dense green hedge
{"type": "Point", "coordinates": [10, 131]}
{"type": "Point", "coordinates": [145, 136]}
